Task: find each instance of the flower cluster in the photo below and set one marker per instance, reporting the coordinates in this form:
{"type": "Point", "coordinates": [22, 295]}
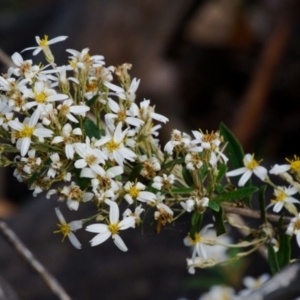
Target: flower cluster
{"type": "Point", "coordinates": [78, 133]}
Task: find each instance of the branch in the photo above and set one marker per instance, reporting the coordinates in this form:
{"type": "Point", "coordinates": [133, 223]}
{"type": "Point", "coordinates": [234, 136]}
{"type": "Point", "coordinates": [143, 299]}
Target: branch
{"type": "Point", "coordinates": [23, 251]}
{"type": "Point", "coordinates": [246, 212]}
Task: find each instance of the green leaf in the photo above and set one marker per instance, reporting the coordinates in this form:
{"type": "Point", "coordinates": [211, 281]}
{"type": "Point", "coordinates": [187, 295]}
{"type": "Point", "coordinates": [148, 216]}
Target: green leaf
{"type": "Point", "coordinates": [235, 153]}
{"type": "Point", "coordinates": [236, 195]}
{"type": "Point", "coordinates": [135, 172]}
{"type": "Point", "coordinates": [222, 169]}
{"type": "Point", "coordinates": [91, 129]}
{"type": "Point", "coordinates": [284, 252]}
{"type": "Point", "coordinates": [203, 171]}
{"type": "Point", "coordinates": [187, 176]}
{"type": "Point", "coordinates": [32, 179]}
{"type": "Point", "coordinates": [176, 161]}
{"type": "Point", "coordinates": [234, 149]}
{"type": "Point", "coordinates": [92, 101]}
{"type": "Point", "coordinates": [196, 224]}
{"type": "Point", "coordinates": [272, 258]}
{"type": "Point", "coordinates": [82, 182]}
{"type": "Point", "coordinates": [262, 202]}
{"type": "Point", "coordinates": [213, 205]}
{"type": "Point", "coordinates": [182, 190]}
{"type": "Point", "coordinates": [219, 217]}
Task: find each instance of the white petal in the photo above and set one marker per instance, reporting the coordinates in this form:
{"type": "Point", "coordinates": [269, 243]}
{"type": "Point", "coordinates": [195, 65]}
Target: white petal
{"type": "Point", "coordinates": [74, 241]}
{"type": "Point", "coordinates": [75, 225]}
{"type": "Point", "coordinates": [126, 223]}
{"type": "Point", "coordinates": [119, 243]}
{"type": "Point", "coordinates": [97, 228]}
{"type": "Point", "coordinates": [277, 169]}
{"type": "Point", "coordinates": [72, 204]}
{"type": "Point", "coordinates": [60, 216]}
{"type": "Point", "coordinates": [260, 172]}
{"type": "Point", "coordinates": [25, 144]}
{"type": "Point", "coordinates": [236, 172]}
{"type": "Point", "coordinates": [245, 177]}
{"type": "Point", "coordinates": [113, 212]}
{"type": "Point", "coordinates": [100, 238]}
{"type": "Point", "coordinates": [80, 163]}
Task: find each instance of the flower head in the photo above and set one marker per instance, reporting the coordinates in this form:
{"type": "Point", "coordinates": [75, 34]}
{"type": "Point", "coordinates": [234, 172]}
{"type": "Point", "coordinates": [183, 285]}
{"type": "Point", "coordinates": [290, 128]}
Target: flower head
{"type": "Point", "coordinates": [66, 229]}
{"type": "Point", "coordinates": [112, 228]}
{"type": "Point", "coordinates": [251, 166]}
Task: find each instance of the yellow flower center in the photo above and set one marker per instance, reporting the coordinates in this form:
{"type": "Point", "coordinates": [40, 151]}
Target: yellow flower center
{"type": "Point", "coordinates": [113, 228]}
{"type": "Point", "coordinates": [40, 98]}
{"type": "Point", "coordinates": [297, 225]}
{"type": "Point", "coordinates": [134, 192]}
{"type": "Point", "coordinates": [91, 159]}
{"type": "Point", "coordinates": [44, 41]}
{"type": "Point", "coordinates": [65, 229]}
{"type": "Point", "coordinates": [64, 109]}
{"type": "Point", "coordinates": [196, 240]}
{"type": "Point", "coordinates": [280, 196]}
{"type": "Point", "coordinates": [112, 146]}
{"type": "Point", "coordinates": [209, 137]}
{"type": "Point", "coordinates": [26, 132]}
{"type": "Point", "coordinates": [253, 163]}
{"type": "Point", "coordinates": [121, 116]}
{"type": "Point", "coordinates": [92, 86]}
{"type": "Point", "coordinates": [295, 164]}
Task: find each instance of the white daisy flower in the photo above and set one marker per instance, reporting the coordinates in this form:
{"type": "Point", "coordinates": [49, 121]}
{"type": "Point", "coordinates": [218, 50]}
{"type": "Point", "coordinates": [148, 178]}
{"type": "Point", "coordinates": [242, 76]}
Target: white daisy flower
{"type": "Point", "coordinates": [24, 131]}
{"type": "Point", "coordinates": [164, 181]}
{"type": "Point", "coordinates": [67, 229]}
{"type": "Point", "coordinates": [113, 146]}
{"type": "Point", "coordinates": [219, 292]}
{"type": "Point", "coordinates": [42, 95]}
{"type": "Point", "coordinates": [253, 284]}
{"type": "Point", "coordinates": [145, 112]}
{"type": "Point", "coordinates": [82, 60]}
{"type": "Point", "coordinates": [121, 115]}
{"type": "Point", "coordinates": [294, 166]}
{"type": "Point", "coordinates": [67, 109]}
{"type": "Point", "coordinates": [251, 166]}
{"type": "Point", "coordinates": [294, 228]}
{"type": "Point", "coordinates": [44, 43]}
{"type": "Point", "coordinates": [197, 243]}
{"type": "Point", "coordinates": [112, 228]}
{"type": "Point", "coordinates": [282, 196]}
{"type": "Point", "coordinates": [136, 191]}
{"type": "Point", "coordinates": [91, 157]}
{"type": "Point", "coordinates": [128, 94]}
{"type": "Point", "coordinates": [69, 138]}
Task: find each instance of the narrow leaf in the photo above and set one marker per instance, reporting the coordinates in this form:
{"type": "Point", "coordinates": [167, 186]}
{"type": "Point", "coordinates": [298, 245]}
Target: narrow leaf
{"type": "Point", "coordinates": [236, 195]}
{"type": "Point", "coordinates": [81, 181]}
{"type": "Point", "coordinates": [262, 202]}
{"type": "Point", "coordinates": [169, 164]}
{"type": "Point", "coordinates": [234, 149]}
{"type": "Point", "coordinates": [219, 217]}
{"type": "Point", "coordinates": [213, 205]}
{"type": "Point", "coordinates": [135, 172]}
{"type": "Point", "coordinates": [284, 252]}
{"type": "Point", "coordinates": [272, 258]}
{"type": "Point", "coordinates": [182, 190]}
{"type": "Point", "coordinates": [187, 176]}
{"type": "Point", "coordinates": [92, 101]}
{"type": "Point", "coordinates": [196, 224]}
{"type": "Point", "coordinates": [91, 129]}
{"type": "Point", "coordinates": [222, 169]}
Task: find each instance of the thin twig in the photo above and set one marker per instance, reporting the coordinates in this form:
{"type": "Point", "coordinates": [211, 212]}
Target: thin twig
{"type": "Point", "coordinates": [23, 251]}
{"type": "Point", "coordinates": [5, 59]}
{"type": "Point", "coordinates": [246, 212]}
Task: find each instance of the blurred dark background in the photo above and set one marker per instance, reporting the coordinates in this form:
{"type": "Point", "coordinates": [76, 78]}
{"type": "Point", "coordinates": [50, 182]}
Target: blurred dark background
{"type": "Point", "coordinates": [201, 63]}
